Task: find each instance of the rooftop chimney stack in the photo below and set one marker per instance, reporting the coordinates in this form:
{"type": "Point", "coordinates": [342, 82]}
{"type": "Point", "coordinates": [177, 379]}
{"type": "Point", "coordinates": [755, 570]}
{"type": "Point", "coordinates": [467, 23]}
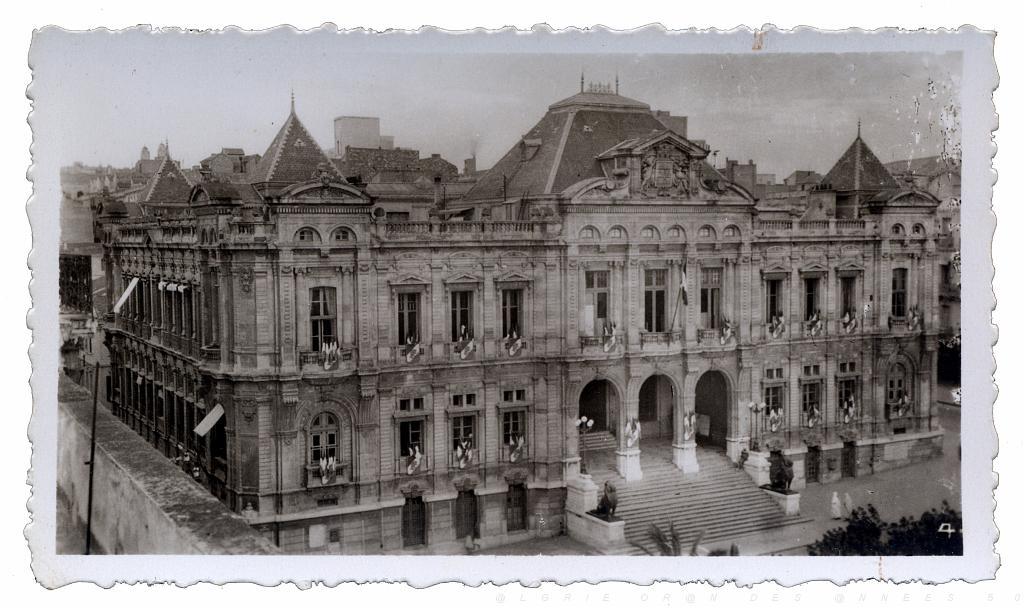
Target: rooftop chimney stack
{"type": "Point", "coordinates": [469, 166]}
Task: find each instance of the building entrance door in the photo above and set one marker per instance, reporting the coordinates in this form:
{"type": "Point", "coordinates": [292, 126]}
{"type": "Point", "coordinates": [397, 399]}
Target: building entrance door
{"type": "Point", "coordinates": [655, 411]}
{"type": "Point", "coordinates": [711, 404]}
{"type": "Point", "coordinates": [597, 403]}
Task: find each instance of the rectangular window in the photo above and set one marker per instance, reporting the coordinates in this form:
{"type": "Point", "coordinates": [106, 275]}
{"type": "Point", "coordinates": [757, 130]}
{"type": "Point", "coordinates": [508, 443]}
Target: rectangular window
{"type": "Point", "coordinates": [773, 396]}
{"type": "Point", "coordinates": [597, 298]}
{"type": "Point", "coordinates": [322, 317]}
{"type": "Point", "coordinates": [847, 291]}
{"type": "Point", "coordinates": [654, 300]}
{"type": "Point", "coordinates": [710, 297]}
{"type": "Point", "coordinates": [810, 397]}
{"type": "Point", "coordinates": [847, 388]}
{"type": "Point", "coordinates": [946, 280]}
{"type": "Point", "coordinates": [463, 428]}
{"type": "Point", "coordinates": [410, 435]}
{"type": "Point", "coordinates": [812, 370]}
{"type": "Point", "coordinates": [811, 305]}
{"type": "Point", "coordinates": [512, 312]}
{"type": "Point", "coordinates": [773, 301]}
{"type": "Point", "coordinates": [462, 315]}
{"type": "Point", "coordinates": [408, 318]}
{"type": "Point", "coordinates": [513, 426]}
{"type": "Point", "coordinates": [899, 292]}
{"type": "Point", "coordinates": [396, 217]}
{"type": "Point", "coordinates": [468, 399]}
{"type": "Point", "coordinates": [408, 405]}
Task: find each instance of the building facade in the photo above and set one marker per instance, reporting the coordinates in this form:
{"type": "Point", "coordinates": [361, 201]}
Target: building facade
{"type": "Point", "coordinates": [358, 385]}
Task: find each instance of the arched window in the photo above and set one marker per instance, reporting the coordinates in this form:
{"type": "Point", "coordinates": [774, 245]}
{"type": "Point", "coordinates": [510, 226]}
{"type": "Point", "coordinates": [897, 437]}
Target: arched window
{"type": "Point", "coordinates": [706, 232]}
{"type": "Point", "coordinates": [649, 232]}
{"type": "Point", "coordinates": [342, 235]}
{"type": "Point", "coordinates": [323, 438]}
{"type": "Point", "coordinates": [675, 232]}
{"type": "Point", "coordinates": [589, 233]}
{"type": "Point", "coordinates": [898, 230]}
{"type": "Point", "coordinates": [918, 229]}
{"type": "Point", "coordinates": [732, 232]}
{"type": "Point", "coordinates": [307, 235]}
{"type": "Point", "coordinates": [617, 232]}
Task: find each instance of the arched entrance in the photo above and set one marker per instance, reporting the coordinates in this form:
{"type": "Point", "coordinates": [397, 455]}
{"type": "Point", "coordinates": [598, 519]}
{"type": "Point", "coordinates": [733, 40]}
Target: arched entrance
{"type": "Point", "coordinates": [599, 402]}
{"type": "Point", "coordinates": [656, 405]}
{"type": "Point", "coordinates": [711, 403]}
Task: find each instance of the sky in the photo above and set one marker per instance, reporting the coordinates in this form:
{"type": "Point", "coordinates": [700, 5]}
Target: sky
{"type": "Point", "coordinates": [102, 96]}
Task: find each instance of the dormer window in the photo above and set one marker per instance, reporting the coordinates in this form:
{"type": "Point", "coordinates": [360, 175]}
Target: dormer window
{"type": "Point", "coordinates": [731, 232]}
{"type": "Point", "coordinates": [675, 232]}
{"type": "Point", "coordinates": [898, 230]}
{"type": "Point", "coordinates": [588, 234]}
{"type": "Point", "coordinates": [918, 230]}
{"type": "Point", "coordinates": [649, 232]}
{"type": "Point", "coordinates": [342, 234]}
{"type": "Point", "coordinates": [706, 232]}
{"type": "Point", "coordinates": [616, 233]}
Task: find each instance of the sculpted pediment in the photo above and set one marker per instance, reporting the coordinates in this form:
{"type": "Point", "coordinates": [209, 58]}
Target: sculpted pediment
{"type": "Point", "coordinates": [410, 280]}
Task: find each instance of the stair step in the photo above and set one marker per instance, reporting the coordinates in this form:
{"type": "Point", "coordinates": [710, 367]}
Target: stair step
{"type": "Point", "coordinates": [720, 501]}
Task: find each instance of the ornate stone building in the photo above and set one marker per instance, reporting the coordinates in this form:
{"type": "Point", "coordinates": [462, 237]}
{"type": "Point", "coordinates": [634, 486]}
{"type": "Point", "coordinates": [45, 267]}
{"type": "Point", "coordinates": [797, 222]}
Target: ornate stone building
{"type": "Point", "coordinates": [377, 385]}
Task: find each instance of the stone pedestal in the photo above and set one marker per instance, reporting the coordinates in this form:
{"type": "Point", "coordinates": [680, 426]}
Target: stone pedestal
{"type": "Point", "coordinates": [627, 462]}
{"type": "Point", "coordinates": [581, 497]}
{"type": "Point", "coordinates": [580, 494]}
{"type": "Point", "coordinates": [757, 467]}
{"type": "Point", "coordinates": [684, 456]}
{"type": "Point", "coordinates": [570, 467]}
{"type": "Point", "coordinates": [790, 502]}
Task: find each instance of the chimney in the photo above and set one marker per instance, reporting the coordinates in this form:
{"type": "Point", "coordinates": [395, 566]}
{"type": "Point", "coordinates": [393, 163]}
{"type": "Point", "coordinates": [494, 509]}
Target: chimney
{"type": "Point", "coordinates": [437, 191]}
{"type": "Point", "coordinates": [435, 155]}
{"type": "Point", "coordinates": [469, 166]}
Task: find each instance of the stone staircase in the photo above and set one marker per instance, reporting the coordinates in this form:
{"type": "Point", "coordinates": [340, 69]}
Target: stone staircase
{"type": "Point", "coordinates": [720, 500]}
{"type": "Point", "coordinates": [597, 441]}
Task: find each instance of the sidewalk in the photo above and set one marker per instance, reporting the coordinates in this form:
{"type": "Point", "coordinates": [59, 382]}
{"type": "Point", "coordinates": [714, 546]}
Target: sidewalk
{"type": "Point", "coordinates": [903, 492]}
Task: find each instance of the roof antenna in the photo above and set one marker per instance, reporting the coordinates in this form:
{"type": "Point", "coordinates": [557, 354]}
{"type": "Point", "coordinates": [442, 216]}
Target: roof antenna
{"type": "Point", "coordinates": [616, 83]}
{"type": "Point", "coordinates": [581, 81]}
{"type": "Point", "coordinates": [858, 128]}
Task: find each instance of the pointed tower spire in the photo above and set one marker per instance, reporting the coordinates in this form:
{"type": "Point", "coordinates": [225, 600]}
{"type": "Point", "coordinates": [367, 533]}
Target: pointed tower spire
{"type": "Point", "coordinates": [293, 100]}
{"type": "Point", "coordinates": [581, 81]}
{"type": "Point", "coordinates": [616, 83]}
{"type": "Point", "coordinates": [858, 128]}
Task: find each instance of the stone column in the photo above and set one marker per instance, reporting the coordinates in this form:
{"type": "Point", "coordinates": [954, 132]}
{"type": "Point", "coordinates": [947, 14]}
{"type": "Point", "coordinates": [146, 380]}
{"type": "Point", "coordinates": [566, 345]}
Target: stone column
{"type": "Point", "coordinates": [684, 450]}
{"type": "Point", "coordinates": [627, 458]}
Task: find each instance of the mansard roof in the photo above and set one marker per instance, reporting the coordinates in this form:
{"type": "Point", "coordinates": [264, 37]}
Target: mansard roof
{"type": "Point", "coordinates": [293, 156]}
{"type": "Point", "coordinates": [563, 147]}
{"type": "Point", "coordinates": [858, 169]}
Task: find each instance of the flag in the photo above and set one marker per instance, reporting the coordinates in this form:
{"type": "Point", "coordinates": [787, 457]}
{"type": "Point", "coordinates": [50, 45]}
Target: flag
{"type": "Point", "coordinates": [124, 296]}
{"type": "Point", "coordinates": [211, 419]}
{"type": "Point", "coordinates": [682, 287]}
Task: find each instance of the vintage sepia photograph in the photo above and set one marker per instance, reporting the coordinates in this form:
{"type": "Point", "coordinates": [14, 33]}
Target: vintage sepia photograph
{"type": "Point", "coordinates": [326, 297]}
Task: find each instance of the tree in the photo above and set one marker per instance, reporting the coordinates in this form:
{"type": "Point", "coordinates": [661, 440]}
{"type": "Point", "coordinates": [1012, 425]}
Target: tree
{"type": "Point", "coordinates": [936, 532]}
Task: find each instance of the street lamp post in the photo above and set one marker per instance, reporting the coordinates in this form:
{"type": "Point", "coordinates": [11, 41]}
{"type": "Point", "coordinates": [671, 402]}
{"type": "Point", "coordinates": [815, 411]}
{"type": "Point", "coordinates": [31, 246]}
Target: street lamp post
{"type": "Point", "coordinates": [584, 425]}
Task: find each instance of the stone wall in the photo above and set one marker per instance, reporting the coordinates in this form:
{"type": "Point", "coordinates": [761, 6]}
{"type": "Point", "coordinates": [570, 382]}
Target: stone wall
{"type": "Point", "coordinates": [142, 503]}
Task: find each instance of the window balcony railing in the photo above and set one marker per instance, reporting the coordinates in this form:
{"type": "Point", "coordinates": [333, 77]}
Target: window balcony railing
{"type": "Point", "coordinates": [405, 467]}
{"type": "Point", "coordinates": [661, 338]}
{"type": "Point", "coordinates": [316, 360]}
{"type": "Point", "coordinates": [315, 478]}
{"type": "Point", "coordinates": [464, 230]}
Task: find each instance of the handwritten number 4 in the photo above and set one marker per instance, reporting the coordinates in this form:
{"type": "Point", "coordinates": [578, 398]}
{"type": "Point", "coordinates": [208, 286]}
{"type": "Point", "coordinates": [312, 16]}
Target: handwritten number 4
{"type": "Point", "coordinates": [947, 528]}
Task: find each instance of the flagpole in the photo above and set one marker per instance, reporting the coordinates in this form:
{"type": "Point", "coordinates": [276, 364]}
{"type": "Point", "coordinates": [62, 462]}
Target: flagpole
{"type": "Point", "coordinates": [92, 458]}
